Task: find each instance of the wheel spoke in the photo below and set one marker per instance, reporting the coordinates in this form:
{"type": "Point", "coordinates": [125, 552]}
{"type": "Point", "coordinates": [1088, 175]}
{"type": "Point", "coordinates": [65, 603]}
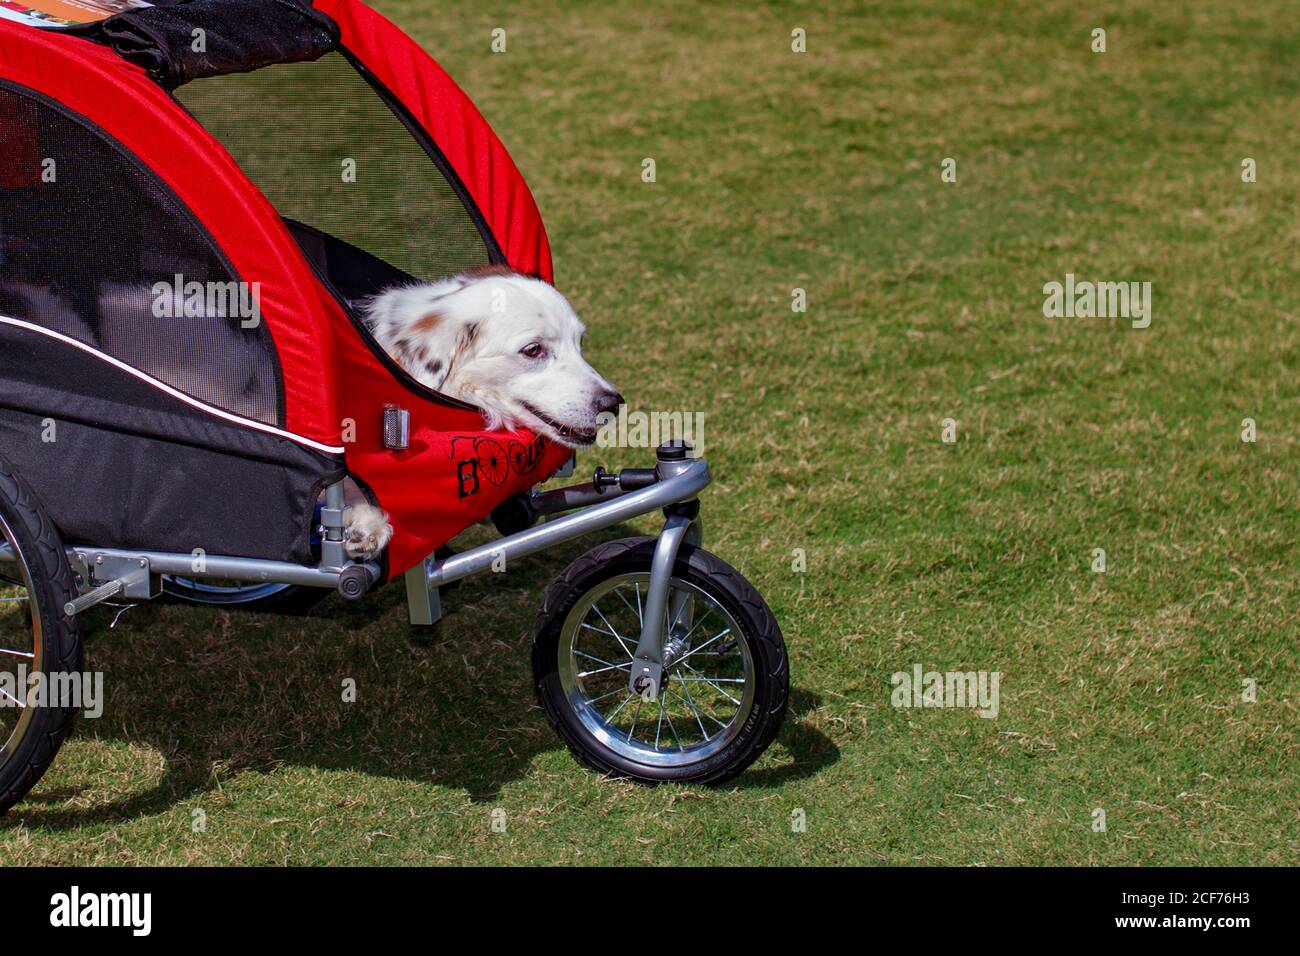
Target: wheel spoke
{"type": "Point", "coordinates": [704, 645]}
{"type": "Point", "coordinates": [712, 682]}
{"type": "Point", "coordinates": [707, 713]}
{"type": "Point", "coordinates": [613, 631]}
{"type": "Point", "coordinates": [602, 670]}
{"type": "Point", "coordinates": [6, 693]}
{"type": "Point", "coordinates": [690, 701]}
{"type": "Point", "coordinates": [674, 730]}
{"type": "Point", "coordinates": [598, 660]}
{"type": "Point", "coordinates": [714, 686]}
{"type": "Point", "coordinates": [686, 602]}
{"type": "Point", "coordinates": [610, 694]}
{"type": "Point", "coordinates": [686, 641]}
{"type": "Point", "coordinates": [610, 719]}
{"type": "Point", "coordinates": [635, 714]}
{"type": "Point", "coordinates": [626, 603]}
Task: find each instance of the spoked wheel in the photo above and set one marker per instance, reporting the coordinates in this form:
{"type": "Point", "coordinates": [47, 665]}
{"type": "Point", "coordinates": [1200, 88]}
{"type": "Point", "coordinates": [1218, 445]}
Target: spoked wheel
{"type": "Point", "coordinates": [35, 637]}
{"type": "Point", "coordinates": [726, 675]}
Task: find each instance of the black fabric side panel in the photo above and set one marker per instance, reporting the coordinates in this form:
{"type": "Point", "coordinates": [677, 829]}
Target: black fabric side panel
{"type": "Point", "coordinates": [42, 375]}
{"type": "Point", "coordinates": [118, 463]}
{"type": "Point", "coordinates": [238, 36]}
{"type": "Point", "coordinates": [113, 489]}
{"type": "Point", "coordinates": [353, 272]}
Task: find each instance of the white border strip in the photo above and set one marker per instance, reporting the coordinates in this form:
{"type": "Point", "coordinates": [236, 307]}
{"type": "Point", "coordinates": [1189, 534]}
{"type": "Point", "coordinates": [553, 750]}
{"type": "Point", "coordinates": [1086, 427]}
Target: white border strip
{"type": "Point", "coordinates": [174, 393]}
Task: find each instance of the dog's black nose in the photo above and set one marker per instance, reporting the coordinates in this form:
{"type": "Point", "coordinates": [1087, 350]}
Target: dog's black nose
{"type": "Point", "coordinates": [608, 401]}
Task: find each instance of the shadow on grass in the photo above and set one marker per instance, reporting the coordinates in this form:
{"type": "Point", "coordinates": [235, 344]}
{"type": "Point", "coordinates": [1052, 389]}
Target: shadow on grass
{"type": "Point", "coordinates": [809, 749]}
{"type": "Point", "coordinates": [215, 693]}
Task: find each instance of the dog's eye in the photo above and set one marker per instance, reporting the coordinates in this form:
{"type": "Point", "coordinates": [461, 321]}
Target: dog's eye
{"type": "Point", "coordinates": [533, 350]}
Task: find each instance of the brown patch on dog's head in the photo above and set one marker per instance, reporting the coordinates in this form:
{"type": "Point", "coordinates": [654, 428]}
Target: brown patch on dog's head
{"type": "Point", "coordinates": [427, 322]}
{"type": "Point", "coordinates": [488, 269]}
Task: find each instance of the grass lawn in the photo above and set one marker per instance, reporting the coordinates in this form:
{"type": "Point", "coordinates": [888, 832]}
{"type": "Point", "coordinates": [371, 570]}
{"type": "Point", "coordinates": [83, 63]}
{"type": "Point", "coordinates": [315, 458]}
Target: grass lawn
{"type": "Point", "coordinates": [1121, 691]}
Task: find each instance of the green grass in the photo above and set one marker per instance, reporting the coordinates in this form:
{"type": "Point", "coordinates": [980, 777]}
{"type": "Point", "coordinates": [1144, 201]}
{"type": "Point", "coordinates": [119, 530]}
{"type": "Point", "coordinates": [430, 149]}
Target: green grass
{"type": "Point", "coordinates": [1122, 690]}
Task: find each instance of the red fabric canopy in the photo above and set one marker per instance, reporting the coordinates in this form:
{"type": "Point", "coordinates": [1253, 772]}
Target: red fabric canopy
{"type": "Point", "coordinates": [456, 125]}
{"type": "Point", "coordinates": [121, 100]}
{"type": "Point", "coordinates": [454, 473]}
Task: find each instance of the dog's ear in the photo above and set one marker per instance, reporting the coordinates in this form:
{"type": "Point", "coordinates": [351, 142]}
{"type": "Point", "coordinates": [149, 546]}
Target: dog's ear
{"type": "Point", "coordinates": [468, 336]}
{"type": "Point", "coordinates": [465, 340]}
{"type": "Point", "coordinates": [419, 349]}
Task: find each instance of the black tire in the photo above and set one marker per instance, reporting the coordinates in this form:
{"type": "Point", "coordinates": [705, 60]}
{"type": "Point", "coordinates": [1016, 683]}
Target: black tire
{"type": "Point", "coordinates": [289, 599]}
{"type": "Point", "coordinates": [28, 748]}
{"type": "Point", "coordinates": [723, 585]}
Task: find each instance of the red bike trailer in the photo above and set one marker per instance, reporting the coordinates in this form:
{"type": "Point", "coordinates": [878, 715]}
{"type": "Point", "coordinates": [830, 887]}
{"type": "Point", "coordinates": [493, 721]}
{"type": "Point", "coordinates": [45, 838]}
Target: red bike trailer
{"type": "Point", "coordinates": [196, 197]}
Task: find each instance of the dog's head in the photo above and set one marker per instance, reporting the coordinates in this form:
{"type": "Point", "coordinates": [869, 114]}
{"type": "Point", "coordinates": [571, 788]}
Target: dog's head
{"type": "Point", "coordinates": [510, 344]}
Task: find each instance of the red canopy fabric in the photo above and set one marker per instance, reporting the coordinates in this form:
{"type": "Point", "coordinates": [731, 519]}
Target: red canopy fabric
{"type": "Point", "coordinates": [123, 102]}
{"type": "Point", "coordinates": [454, 473]}
{"type": "Point", "coordinates": [455, 124]}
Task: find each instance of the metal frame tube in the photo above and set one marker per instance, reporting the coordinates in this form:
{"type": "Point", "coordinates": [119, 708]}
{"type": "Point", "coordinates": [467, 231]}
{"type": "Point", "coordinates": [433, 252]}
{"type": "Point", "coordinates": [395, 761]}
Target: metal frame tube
{"type": "Point", "coordinates": [647, 668]}
{"type": "Point", "coordinates": [220, 567]}
{"type": "Point", "coordinates": [615, 506]}
{"type": "Point", "coordinates": [683, 486]}
{"type": "Point", "coordinates": [332, 553]}
{"type": "Point", "coordinates": [573, 496]}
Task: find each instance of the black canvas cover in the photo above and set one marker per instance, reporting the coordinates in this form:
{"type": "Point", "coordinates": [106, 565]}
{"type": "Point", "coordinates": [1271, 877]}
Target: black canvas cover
{"type": "Point", "coordinates": [118, 462]}
{"type": "Point", "coordinates": [182, 40]}
{"type": "Point", "coordinates": [94, 246]}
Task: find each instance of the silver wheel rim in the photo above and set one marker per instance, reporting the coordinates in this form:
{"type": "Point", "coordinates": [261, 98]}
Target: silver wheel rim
{"type": "Point", "coordinates": [20, 642]}
{"type": "Point", "coordinates": [708, 691]}
{"type": "Point", "coordinates": [207, 592]}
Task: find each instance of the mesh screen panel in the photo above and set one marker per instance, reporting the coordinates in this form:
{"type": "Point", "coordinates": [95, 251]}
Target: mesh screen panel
{"type": "Point", "coordinates": [91, 246]}
{"type": "Point", "coordinates": [327, 151]}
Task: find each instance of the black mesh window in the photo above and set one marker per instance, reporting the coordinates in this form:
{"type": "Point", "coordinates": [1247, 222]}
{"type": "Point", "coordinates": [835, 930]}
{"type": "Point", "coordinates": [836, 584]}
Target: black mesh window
{"type": "Point", "coordinates": [329, 153]}
{"type": "Point", "coordinates": [94, 247]}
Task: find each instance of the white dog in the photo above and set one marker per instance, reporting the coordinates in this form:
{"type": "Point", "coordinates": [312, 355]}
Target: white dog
{"type": "Point", "coordinates": [493, 338]}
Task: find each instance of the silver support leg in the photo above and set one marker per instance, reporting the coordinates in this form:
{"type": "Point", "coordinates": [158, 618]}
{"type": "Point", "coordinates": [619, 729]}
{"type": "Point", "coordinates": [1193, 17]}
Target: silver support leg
{"type": "Point", "coordinates": [422, 599]}
{"type": "Point", "coordinates": [332, 554]}
{"type": "Point", "coordinates": [681, 609]}
{"type": "Point", "coordinates": [648, 659]}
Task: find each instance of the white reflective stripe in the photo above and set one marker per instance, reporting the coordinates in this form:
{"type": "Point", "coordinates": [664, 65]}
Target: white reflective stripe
{"type": "Point", "coordinates": [174, 393]}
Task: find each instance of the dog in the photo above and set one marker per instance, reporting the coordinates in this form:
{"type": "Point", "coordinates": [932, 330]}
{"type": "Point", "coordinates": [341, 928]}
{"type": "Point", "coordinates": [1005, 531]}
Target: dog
{"type": "Point", "coordinates": [494, 338]}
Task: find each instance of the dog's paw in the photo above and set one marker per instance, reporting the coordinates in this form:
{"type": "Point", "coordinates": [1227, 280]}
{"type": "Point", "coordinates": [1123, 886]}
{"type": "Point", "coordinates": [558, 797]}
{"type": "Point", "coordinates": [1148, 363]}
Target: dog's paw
{"type": "Point", "coordinates": [366, 532]}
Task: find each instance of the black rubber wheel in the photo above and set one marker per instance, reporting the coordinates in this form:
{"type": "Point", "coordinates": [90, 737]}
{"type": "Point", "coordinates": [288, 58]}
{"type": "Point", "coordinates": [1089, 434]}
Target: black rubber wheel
{"type": "Point", "coordinates": [739, 681]}
{"type": "Point", "coordinates": [36, 581]}
{"type": "Point", "coordinates": [260, 598]}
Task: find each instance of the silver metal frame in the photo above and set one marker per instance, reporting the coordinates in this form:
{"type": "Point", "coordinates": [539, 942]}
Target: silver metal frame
{"type": "Point", "coordinates": [677, 486]}
{"type": "Point", "coordinates": [109, 572]}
